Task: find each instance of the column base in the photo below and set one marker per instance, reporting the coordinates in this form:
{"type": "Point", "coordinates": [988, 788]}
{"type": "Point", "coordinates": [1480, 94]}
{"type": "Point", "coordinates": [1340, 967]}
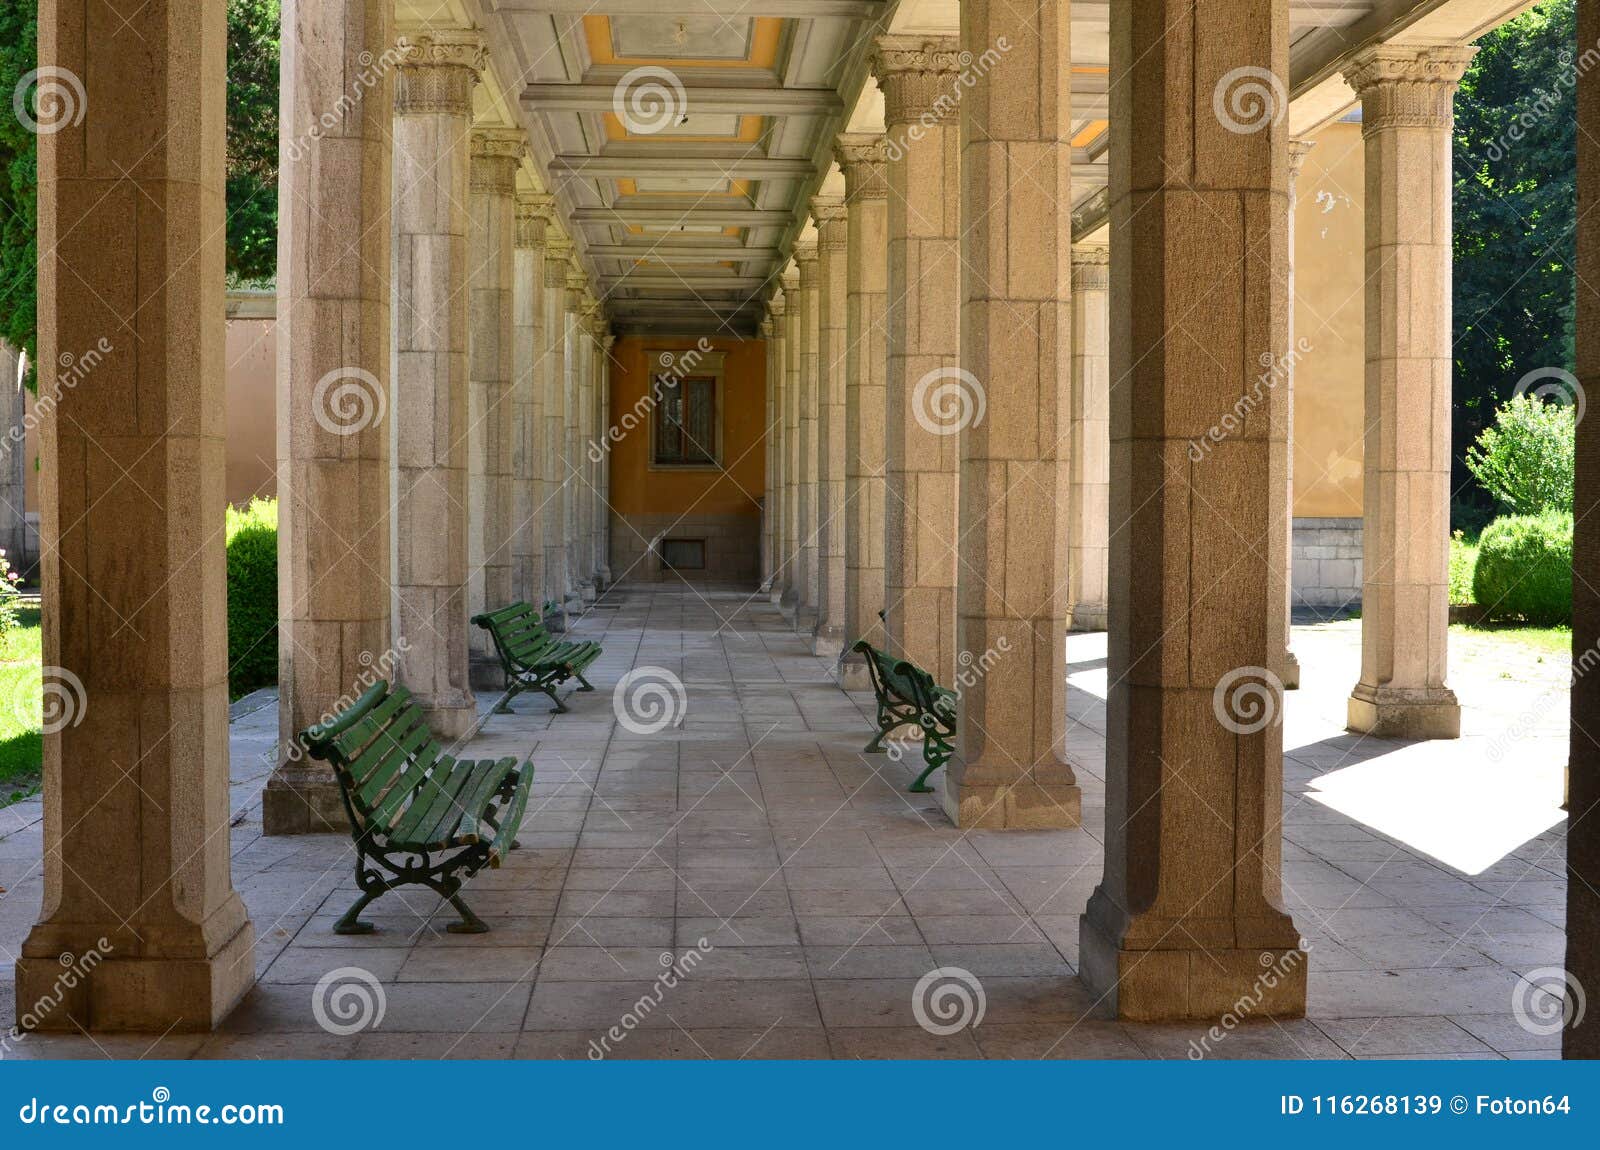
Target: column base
{"type": "Point", "coordinates": [572, 604]}
{"type": "Point", "coordinates": [974, 799]}
{"type": "Point", "coordinates": [144, 994]}
{"type": "Point", "coordinates": [853, 675]}
{"type": "Point", "coordinates": [1290, 676]}
{"type": "Point", "coordinates": [1184, 985]}
{"type": "Point", "coordinates": [588, 593]}
{"type": "Point", "coordinates": [1404, 712]}
{"type": "Point", "coordinates": [775, 596]}
{"type": "Point", "coordinates": [1089, 617]}
{"type": "Point", "coordinates": [450, 718]}
{"type": "Point", "coordinates": [303, 799]}
{"type": "Point", "coordinates": [484, 672]}
{"type": "Point", "coordinates": [827, 642]}
{"type": "Point", "coordinates": [805, 620]}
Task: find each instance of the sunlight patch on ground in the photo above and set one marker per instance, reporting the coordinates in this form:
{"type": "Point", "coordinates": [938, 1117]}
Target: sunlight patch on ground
{"type": "Point", "coordinates": [1448, 800]}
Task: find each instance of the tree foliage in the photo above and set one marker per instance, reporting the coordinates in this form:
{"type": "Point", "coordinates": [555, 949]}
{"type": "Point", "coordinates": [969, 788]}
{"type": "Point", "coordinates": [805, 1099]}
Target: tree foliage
{"type": "Point", "coordinates": [1515, 211]}
{"type": "Point", "coordinates": [1525, 458]}
{"type": "Point", "coordinates": [252, 157]}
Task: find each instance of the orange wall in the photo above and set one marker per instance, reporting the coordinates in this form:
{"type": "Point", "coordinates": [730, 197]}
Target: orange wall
{"type": "Point", "coordinates": [736, 487]}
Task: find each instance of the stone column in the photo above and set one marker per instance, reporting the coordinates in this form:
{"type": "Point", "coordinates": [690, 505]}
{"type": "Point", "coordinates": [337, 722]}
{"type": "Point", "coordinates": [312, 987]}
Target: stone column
{"type": "Point", "coordinates": [832, 303]}
{"type": "Point", "coordinates": [1188, 920]}
{"type": "Point", "coordinates": [806, 259]}
{"type": "Point", "coordinates": [580, 590]}
{"type": "Point", "coordinates": [584, 389]}
{"type": "Point", "coordinates": [491, 411]}
{"type": "Point", "coordinates": [778, 448]}
{"type": "Point", "coordinates": [552, 381]}
{"type": "Point", "coordinates": [1583, 782]}
{"type": "Point", "coordinates": [793, 340]}
{"type": "Point", "coordinates": [432, 159]}
{"type": "Point", "coordinates": [603, 465]}
{"type": "Point", "coordinates": [527, 399]}
{"type": "Point", "coordinates": [1088, 514]}
{"type": "Point", "coordinates": [1291, 665]}
{"type": "Point", "coordinates": [1408, 108]}
{"type": "Point", "coordinates": [769, 339]}
{"type": "Point", "coordinates": [131, 481]}
{"type": "Point", "coordinates": [334, 262]}
{"type": "Point", "coordinates": [1014, 428]}
{"type": "Point", "coordinates": [863, 159]}
{"type": "Point", "coordinates": [927, 392]}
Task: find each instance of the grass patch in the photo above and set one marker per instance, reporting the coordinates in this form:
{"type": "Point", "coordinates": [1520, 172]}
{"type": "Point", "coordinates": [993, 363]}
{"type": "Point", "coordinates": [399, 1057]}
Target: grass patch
{"type": "Point", "coordinates": [21, 708]}
{"type": "Point", "coordinates": [1542, 641]}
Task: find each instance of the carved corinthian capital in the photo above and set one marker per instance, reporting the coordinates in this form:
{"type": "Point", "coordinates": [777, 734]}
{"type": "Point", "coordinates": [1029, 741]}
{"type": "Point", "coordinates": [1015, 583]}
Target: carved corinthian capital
{"type": "Point", "coordinates": [437, 72]}
{"type": "Point", "coordinates": [496, 153]}
{"type": "Point", "coordinates": [1408, 87]}
{"type": "Point", "coordinates": [862, 157]}
{"type": "Point", "coordinates": [533, 216]}
{"type": "Point", "coordinates": [919, 76]}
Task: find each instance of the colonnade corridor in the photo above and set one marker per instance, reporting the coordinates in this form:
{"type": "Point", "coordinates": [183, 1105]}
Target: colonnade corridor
{"type": "Point", "coordinates": [737, 828]}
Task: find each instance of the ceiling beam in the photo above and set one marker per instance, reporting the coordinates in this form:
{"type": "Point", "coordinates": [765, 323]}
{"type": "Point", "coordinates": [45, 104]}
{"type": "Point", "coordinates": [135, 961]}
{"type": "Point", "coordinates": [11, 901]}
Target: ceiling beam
{"type": "Point", "coordinates": [718, 101]}
{"type": "Point", "coordinates": [733, 9]}
{"type": "Point", "coordinates": [645, 281]}
{"type": "Point", "coordinates": [673, 251]}
{"type": "Point", "coordinates": [674, 217]}
{"type": "Point", "coordinates": [733, 166]}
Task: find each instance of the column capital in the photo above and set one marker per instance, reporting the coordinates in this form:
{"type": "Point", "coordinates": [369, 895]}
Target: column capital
{"type": "Point", "coordinates": [829, 213]}
{"type": "Point", "coordinates": [776, 305]}
{"type": "Point", "coordinates": [805, 258]}
{"type": "Point", "coordinates": [862, 156]}
{"type": "Point", "coordinates": [766, 327]}
{"type": "Point", "coordinates": [496, 155]}
{"type": "Point", "coordinates": [1091, 267]}
{"type": "Point", "coordinates": [557, 249]}
{"type": "Point", "coordinates": [533, 216]}
{"type": "Point", "coordinates": [437, 71]}
{"type": "Point", "coordinates": [1403, 87]}
{"type": "Point", "coordinates": [916, 74]}
{"type": "Point", "coordinates": [1299, 148]}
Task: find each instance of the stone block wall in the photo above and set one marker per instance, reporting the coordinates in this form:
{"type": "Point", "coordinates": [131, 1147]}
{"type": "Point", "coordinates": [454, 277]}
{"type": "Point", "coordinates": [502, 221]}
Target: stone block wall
{"type": "Point", "coordinates": [732, 547]}
{"type": "Point", "coordinates": [1327, 562]}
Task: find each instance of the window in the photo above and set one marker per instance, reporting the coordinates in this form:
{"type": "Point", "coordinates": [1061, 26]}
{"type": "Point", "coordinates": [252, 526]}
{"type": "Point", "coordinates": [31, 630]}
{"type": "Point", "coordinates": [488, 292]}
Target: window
{"type": "Point", "coordinates": [686, 421]}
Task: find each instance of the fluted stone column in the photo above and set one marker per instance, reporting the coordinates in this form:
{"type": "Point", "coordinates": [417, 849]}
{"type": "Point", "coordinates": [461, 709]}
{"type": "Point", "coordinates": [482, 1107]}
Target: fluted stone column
{"type": "Point", "coordinates": [432, 160]}
{"type": "Point", "coordinates": [832, 304]}
{"type": "Point", "coordinates": [806, 259]}
{"type": "Point", "coordinates": [863, 159]}
{"type": "Point", "coordinates": [603, 464]}
{"type": "Point", "coordinates": [1290, 674]}
{"type": "Point", "coordinates": [768, 507]}
{"type": "Point", "coordinates": [1088, 509]}
{"type": "Point", "coordinates": [584, 382]}
{"type": "Point", "coordinates": [793, 340]}
{"type": "Point", "coordinates": [552, 381]}
{"type": "Point", "coordinates": [334, 401]}
{"type": "Point", "coordinates": [1188, 918]}
{"type": "Point", "coordinates": [1009, 769]}
{"type": "Point", "coordinates": [1583, 788]}
{"type": "Point", "coordinates": [131, 482]}
{"type": "Point", "coordinates": [779, 448]}
{"type": "Point", "coordinates": [926, 391]}
{"type": "Point", "coordinates": [491, 410]}
{"type": "Point", "coordinates": [1408, 108]}
{"type": "Point", "coordinates": [527, 397]}
{"type": "Point", "coordinates": [580, 590]}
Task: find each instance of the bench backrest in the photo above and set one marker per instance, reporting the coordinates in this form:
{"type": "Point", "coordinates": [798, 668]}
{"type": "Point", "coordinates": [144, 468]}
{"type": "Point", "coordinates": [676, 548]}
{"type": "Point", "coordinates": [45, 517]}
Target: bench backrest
{"type": "Point", "coordinates": [381, 750]}
{"type": "Point", "coordinates": [898, 678]}
{"type": "Point", "coordinates": [519, 635]}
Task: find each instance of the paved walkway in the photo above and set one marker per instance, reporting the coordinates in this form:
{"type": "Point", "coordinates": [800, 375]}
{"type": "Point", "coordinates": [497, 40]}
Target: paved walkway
{"type": "Point", "coordinates": [1426, 878]}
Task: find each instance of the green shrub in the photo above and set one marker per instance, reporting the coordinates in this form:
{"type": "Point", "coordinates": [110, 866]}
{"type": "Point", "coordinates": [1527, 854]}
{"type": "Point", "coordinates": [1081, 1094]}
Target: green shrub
{"type": "Point", "coordinates": [1524, 568]}
{"type": "Point", "coordinates": [252, 596]}
{"type": "Point", "coordinates": [1525, 460]}
{"type": "Point", "coordinates": [1463, 560]}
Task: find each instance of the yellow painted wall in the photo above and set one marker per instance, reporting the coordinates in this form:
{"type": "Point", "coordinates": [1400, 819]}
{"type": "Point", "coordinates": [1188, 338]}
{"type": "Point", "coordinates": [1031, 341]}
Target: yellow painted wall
{"type": "Point", "coordinates": [734, 489]}
{"type": "Point", "coordinates": [1329, 315]}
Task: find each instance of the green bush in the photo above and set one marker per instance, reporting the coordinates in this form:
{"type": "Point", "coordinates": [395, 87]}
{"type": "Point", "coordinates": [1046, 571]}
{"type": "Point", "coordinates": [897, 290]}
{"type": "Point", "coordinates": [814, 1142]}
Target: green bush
{"type": "Point", "coordinates": [252, 596]}
{"type": "Point", "coordinates": [1525, 460]}
{"type": "Point", "coordinates": [1463, 560]}
{"type": "Point", "coordinates": [1524, 568]}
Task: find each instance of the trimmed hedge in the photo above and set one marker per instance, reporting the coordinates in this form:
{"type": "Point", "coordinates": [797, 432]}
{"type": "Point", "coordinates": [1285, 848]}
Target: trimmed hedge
{"type": "Point", "coordinates": [1524, 568]}
{"type": "Point", "coordinates": [252, 596]}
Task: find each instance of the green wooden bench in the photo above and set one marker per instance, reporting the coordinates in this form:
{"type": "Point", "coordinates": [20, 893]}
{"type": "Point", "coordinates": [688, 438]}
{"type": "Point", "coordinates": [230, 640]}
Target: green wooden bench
{"type": "Point", "coordinates": [532, 658]}
{"type": "Point", "coordinates": [908, 695]}
{"type": "Point", "coordinates": [417, 813]}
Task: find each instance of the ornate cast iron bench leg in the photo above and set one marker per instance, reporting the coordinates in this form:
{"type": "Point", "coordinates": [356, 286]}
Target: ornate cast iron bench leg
{"type": "Point", "coordinates": [372, 884]}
